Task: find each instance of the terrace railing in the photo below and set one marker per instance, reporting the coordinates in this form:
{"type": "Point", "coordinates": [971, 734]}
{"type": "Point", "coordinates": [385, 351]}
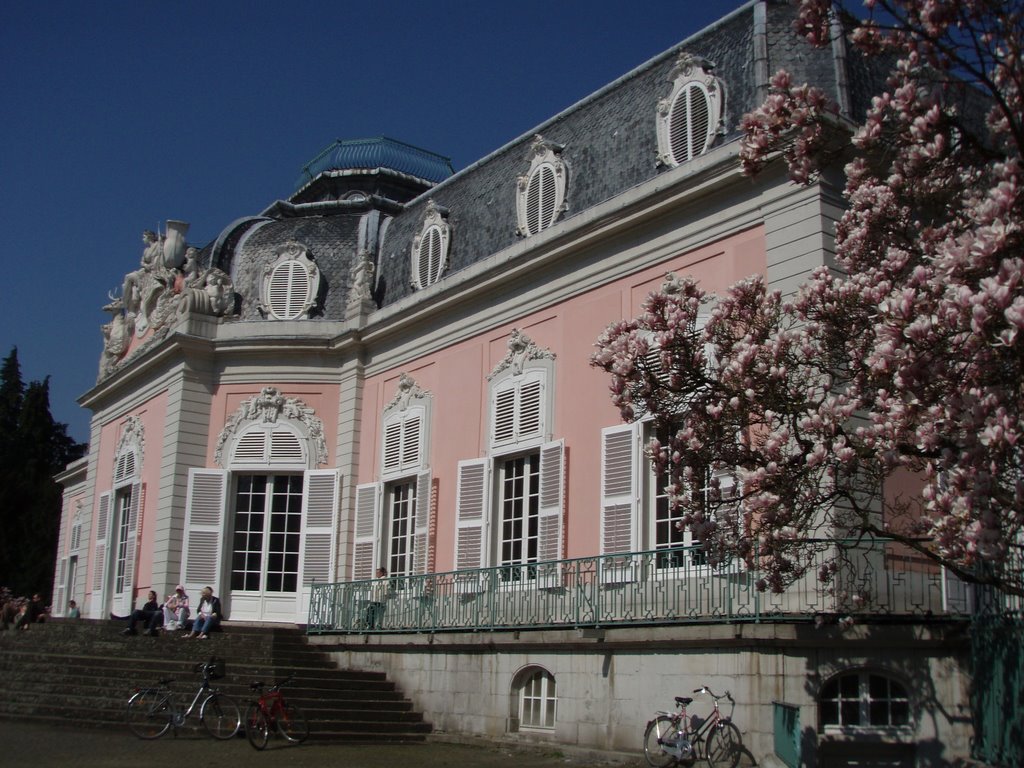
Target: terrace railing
{"type": "Point", "coordinates": [673, 586]}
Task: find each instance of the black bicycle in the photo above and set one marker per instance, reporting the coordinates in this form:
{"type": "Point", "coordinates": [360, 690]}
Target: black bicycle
{"type": "Point", "coordinates": [155, 710]}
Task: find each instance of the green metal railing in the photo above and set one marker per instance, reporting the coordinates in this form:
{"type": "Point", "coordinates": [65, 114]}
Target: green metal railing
{"type": "Point", "coordinates": [654, 587]}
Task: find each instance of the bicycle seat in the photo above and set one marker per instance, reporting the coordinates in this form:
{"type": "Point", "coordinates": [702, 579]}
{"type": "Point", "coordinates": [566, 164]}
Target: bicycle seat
{"type": "Point", "coordinates": [683, 700]}
{"type": "Point", "coordinates": [168, 681]}
{"type": "Point", "coordinates": [256, 686]}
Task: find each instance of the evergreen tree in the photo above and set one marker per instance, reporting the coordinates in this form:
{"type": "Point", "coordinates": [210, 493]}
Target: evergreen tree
{"type": "Point", "coordinates": [33, 448]}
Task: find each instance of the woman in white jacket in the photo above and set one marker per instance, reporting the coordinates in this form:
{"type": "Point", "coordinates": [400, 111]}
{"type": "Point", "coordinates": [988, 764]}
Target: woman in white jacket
{"type": "Point", "coordinates": [176, 609]}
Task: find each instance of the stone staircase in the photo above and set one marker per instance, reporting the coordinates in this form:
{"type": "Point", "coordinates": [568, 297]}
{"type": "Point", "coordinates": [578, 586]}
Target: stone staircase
{"type": "Point", "coordinates": [83, 672]}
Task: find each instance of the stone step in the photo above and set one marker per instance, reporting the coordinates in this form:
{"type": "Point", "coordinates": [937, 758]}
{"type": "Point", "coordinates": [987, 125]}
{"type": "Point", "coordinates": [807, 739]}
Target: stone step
{"type": "Point", "coordinates": [85, 671]}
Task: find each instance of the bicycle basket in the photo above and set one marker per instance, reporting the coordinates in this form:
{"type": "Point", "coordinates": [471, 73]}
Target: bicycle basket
{"type": "Point", "coordinates": [215, 668]}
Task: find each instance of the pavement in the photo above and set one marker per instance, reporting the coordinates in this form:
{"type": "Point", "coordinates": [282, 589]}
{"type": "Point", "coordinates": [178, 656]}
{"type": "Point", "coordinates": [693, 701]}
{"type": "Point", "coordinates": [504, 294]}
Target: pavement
{"type": "Point", "coordinates": [36, 745]}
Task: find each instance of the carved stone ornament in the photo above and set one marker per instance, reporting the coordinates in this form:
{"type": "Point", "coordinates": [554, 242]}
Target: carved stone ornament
{"type": "Point", "coordinates": [132, 437]}
{"type": "Point", "coordinates": [362, 278]}
{"type": "Point", "coordinates": [167, 283]}
{"type": "Point", "coordinates": [266, 408]}
{"type": "Point", "coordinates": [521, 350]}
{"type": "Point", "coordinates": [408, 391]}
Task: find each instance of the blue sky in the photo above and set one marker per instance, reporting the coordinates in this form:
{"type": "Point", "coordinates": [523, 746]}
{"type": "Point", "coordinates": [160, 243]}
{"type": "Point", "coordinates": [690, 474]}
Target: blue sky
{"type": "Point", "coordinates": [121, 115]}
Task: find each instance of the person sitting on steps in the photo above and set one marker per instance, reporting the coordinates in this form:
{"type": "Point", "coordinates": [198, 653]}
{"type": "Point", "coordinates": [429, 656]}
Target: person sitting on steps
{"type": "Point", "coordinates": [208, 615]}
{"type": "Point", "coordinates": [149, 613]}
{"type": "Point", "coordinates": [176, 609]}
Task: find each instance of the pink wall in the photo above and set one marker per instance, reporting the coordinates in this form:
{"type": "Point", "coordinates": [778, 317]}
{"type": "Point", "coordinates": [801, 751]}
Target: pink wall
{"type": "Point", "coordinates": [457, 379]}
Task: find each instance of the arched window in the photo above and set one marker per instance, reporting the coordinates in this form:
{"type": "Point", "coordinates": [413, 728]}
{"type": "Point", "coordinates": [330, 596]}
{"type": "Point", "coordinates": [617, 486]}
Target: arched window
{"type": "Point", "coordinates": [540, 197]}
{"type": "Point", "coordinates": [862, 699]}
{"type": "Point", "coordinates": [116, 544]}
{"type": "Point", "coordinates": [393, 515]}
{"type": "Point", "coordinates": [509, 504]}
{"type": "Point", "coordinates": [263, 528]}
{"type": "Point", "coordinates": [533, 700]}
{"type": "Point", "coordinates": [690, 117]}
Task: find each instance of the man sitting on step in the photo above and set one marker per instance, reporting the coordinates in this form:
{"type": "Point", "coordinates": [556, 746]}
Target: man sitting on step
{"type": "Point", "coordinates": [150, 613]}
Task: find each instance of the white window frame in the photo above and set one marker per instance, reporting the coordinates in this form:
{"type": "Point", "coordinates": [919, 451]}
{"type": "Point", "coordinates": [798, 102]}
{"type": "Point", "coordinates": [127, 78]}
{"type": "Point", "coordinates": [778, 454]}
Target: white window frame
{"type": "Point", "coordinates": [371, 540]}
{"type": "Point", "coordinates": [429, 252]}
{"type": "Point", "coordinates": [678, 139]}
{"type": "Point", "coordinates": [541, 191]}
{"type": "Point", "coordinates": [546, 699]}
{"type": "Point", "coordinates": [864, 701]}
{"type": "Point", "coordinates": [291, 284]}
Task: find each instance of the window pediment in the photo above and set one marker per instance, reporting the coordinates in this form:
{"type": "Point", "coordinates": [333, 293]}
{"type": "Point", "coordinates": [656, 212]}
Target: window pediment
{"type": "Point", "coordinates": [128, 461]}
{"type": "Point", "coordinates": [272, 429]}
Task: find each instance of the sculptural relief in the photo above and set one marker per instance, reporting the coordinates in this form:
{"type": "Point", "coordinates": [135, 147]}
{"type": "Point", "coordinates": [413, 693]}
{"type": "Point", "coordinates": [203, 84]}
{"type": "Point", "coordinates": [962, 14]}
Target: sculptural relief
{"type": "Point", "coordinates": [169, 282]}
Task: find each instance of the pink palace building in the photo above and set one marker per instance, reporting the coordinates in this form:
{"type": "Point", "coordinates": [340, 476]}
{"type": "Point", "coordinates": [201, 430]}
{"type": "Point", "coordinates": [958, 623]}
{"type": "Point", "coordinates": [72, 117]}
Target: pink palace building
{"type": "Point", "coordinates": [389, 367]}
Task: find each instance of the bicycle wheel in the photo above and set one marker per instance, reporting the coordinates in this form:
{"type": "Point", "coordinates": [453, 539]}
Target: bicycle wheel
{"type": "Point", "coordinates": [292, 723]}
{"type": "Point", "coordinates": [256, 726]}
{"type": "Point", "coordinates": [660, 729]}
{"type": "Point", "coordinates": [149, 714]}
{"type": "Point", "coordinates": [723, 746]}
{"type": "Point", "coordinates": [220, 716]}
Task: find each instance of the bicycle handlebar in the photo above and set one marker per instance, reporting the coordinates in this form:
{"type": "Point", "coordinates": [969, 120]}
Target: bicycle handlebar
{"type": "Point", "coordinates": [258, 685]}
{"type": "Point", "coordinates": [712, 694]}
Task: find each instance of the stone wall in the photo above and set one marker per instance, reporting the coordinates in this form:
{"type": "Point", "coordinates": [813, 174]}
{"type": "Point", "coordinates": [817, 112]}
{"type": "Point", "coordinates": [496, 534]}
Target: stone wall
{"type": "Point", "coordinates": [610, 682]}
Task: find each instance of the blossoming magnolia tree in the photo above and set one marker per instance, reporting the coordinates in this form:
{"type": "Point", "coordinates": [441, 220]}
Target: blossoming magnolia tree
{"type": "Point", "coordinates": [904, 358]}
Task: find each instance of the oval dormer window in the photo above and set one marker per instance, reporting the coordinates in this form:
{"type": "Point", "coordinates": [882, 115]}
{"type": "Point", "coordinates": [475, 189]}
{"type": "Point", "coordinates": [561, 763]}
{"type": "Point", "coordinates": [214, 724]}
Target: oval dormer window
{"type": "Point", "coordinates": [690, 117]}
{"type": "Point", "coordinates": [290, 284]}
{"type": "Point", "coordinates": [541, 190]}
{"type": "Point", "coordinates": [430, 247]}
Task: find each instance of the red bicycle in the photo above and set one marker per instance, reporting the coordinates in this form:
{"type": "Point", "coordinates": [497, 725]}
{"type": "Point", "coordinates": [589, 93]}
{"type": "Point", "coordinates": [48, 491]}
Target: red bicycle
{"type": "Point", "coordinates": [270, 712]}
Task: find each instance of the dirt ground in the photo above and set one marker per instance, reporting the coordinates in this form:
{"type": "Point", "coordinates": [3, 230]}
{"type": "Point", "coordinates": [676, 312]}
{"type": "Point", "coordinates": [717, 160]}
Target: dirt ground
{"type": "Point", "coordinates": [48, 746]}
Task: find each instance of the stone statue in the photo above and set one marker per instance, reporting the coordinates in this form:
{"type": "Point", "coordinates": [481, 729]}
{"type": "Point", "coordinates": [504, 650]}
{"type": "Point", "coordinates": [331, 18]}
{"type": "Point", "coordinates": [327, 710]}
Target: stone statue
{"type": "Point", "coordinates": [116, 336]}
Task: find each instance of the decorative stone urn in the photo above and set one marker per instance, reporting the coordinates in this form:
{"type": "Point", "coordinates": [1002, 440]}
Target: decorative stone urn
{"type": "Point", "coordinates": [174, 245]}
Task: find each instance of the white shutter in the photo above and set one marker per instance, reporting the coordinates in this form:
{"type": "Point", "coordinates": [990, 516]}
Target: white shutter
{"type": "Point", "coordinates": [99, 559]}
{"type": "Point", "coordinates": [364, 545]}
{"type": "Point", "coordinates": [421, 532]}
{"type": "Point", "coordinates": [411, 430]}
{"type": "Point", "coordinates": [471, 513]}
{"type": "Point", "coordinates": [403, 443]}
{"type": "Point", "coordinates": [503, 407]}
{"type": "Point", "coordinates": [620, 502]}
{"type": "Point", "coordinates": [204, 529]}
{"type": "Point", "coordinates": [59, 607]}
{"type": "Point", "coordinates": [690, 125]}
{"type": "Point", "coordinates": [392, 446]}
{"type": "Point", "coordinates": [528, 418]}
{"type": "Point", "coordinates": [126, 600]}
{"type": "Point", "coordinates": [550, 512]}
{"type": "Point", "coordinates": [619, 489]}
{"type": "Point", "coordinates": [319, 522]}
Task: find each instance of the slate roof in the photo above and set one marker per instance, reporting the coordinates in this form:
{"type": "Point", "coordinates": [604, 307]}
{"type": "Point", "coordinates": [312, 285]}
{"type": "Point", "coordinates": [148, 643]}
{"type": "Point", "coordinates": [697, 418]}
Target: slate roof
{"type": "Point", "coordinates": [609, 145]}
